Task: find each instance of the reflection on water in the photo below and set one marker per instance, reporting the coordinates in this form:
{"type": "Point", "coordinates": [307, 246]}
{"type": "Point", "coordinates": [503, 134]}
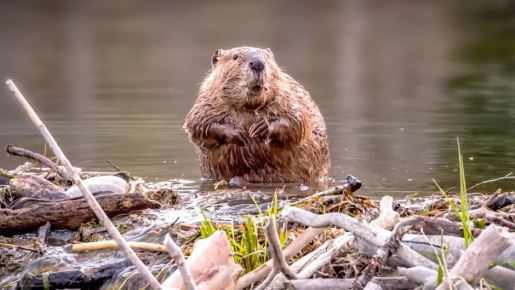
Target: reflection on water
{"type": "Point", "coordinates": [397, 81]}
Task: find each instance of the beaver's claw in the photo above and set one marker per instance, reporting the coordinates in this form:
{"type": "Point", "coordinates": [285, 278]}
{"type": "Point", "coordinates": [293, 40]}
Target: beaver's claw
{"type": "Point", "coordinates": [259, 129]}
{"type": "Point", "coordinates": [235, 136]}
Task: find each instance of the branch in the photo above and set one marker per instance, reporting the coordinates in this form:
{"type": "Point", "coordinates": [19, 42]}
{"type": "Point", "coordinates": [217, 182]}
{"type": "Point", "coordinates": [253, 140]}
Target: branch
{"type": "Point", "coordinates": [508, 176]}
{"type": "Point", "coordinates": [291, 250]}
{"type": "Point", "coordinates": [20, 152]}
{"type": "Point", "coordinates": [85, 191]}
{"type": "Point", "coordinates": [480, 255]}
{"type": "Point", "coordinates": [176, 253]}
{"type": "Point", "coordinates": [113, 244]}
{"type": "Point", "coordinates": [375, 237]}
{"type": "Point", "coordinates": [276, 249]}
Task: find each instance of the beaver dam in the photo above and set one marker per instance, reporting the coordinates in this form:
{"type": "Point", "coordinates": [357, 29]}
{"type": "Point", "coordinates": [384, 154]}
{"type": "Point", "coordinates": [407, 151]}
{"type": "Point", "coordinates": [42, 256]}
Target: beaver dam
{"type": "Point", "coordinates": [335, 239]}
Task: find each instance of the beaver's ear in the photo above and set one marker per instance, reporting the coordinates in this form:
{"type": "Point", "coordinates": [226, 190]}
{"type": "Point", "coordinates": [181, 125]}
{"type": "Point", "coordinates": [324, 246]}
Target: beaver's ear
{"type": "Point", "coordinates": [214, 58]}
{"type": "Point", "coordinates": [269, 51]}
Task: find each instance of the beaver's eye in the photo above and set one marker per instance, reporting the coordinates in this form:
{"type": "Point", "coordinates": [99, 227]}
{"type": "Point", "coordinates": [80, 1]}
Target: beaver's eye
{"type": "Point", "coordinates": [235, 57]}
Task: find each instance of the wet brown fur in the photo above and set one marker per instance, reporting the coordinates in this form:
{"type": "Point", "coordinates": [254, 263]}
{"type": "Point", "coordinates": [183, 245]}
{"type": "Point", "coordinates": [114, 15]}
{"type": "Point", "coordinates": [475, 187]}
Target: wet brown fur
{"type": "Point", "coordinates": [296, 147]}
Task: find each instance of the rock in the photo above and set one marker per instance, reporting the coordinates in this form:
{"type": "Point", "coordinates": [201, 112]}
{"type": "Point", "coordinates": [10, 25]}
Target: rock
{"type": "Point", "coordinates": [28, 185]}
{"type": "Point", "coordinates": [211, 265]}
{"type": "Point", "coordinates": [101, 183]}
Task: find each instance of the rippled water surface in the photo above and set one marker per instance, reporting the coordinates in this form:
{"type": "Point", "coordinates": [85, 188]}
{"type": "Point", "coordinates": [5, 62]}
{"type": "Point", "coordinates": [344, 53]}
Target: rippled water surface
{"type": "Point", "coordinates": [397, 82]}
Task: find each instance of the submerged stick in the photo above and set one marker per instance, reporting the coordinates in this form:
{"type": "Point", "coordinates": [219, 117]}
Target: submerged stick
{"type": "Point", "coordinates": [176, 253]}
{"type": "Point", "coordinates": [85, 191]}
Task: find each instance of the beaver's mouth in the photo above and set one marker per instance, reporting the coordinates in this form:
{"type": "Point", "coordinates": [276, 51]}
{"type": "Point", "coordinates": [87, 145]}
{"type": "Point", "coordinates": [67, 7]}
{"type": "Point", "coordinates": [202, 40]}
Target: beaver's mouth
{"type": "Point", "coordinates": [255, 89]}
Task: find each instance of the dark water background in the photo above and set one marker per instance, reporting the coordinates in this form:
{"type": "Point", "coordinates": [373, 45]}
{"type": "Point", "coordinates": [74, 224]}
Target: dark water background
{"type": "Point", "coordinates": [397, 82]}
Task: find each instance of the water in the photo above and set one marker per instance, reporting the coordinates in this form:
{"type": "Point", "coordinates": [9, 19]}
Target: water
{"type": "Point", "coordinates": [397, 82]}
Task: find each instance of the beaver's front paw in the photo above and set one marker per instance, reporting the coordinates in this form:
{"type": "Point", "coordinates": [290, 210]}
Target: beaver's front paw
{"type": "Point", "coordinates": [259, 129]}
{"type": "Point", "coordinates": [235, 135]}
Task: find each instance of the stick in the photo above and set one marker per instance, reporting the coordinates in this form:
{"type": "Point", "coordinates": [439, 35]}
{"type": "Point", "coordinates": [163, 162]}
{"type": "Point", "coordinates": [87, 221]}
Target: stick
{"type": "Point", "coordinates": [501, 222]}
{"type": "Point", "coordinates": [277, 252]}
{"type": "Point", "coordinates": [2, 245]}
{"type": "Point", "coordinates": [291, 250]}
{"type": "Point", "coordinates": [85, 191]}
{"type": "Point", "coordinates": [480, 255]}
{"type": "Point", "coordinates": [508, 176]}
{"type": "Point", "coordinates": [372, 236]}
{"type": "Point", "coordinates": [20, 152]}
{"type": "Point", "coordinates": [113, 244]}
{"type": "Point", "coordinates": [176, 253]}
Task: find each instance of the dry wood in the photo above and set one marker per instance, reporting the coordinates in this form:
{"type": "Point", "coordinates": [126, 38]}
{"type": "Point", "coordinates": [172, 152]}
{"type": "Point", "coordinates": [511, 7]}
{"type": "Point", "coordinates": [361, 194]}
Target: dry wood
{"type": "Point", "coordinates": [390, 247]}
{"type": "Point", "coordinates": [276, 249]}
{"type": "Point", "coordinates": [28, 185]}
{"type": "Point", "coordinates": [68, 214]}
{"type": "Point", "coordinates": [291, 250]}
{"type": "Point", "coordinates": [17, 151]}
{"type": "Point", "coordinates": [352, 185]}
{"type": "Point", "coordinates": [420, 275]}
{"type": "Point", "coordinates": [278, 260]}
{"type": "Point", "coordinates": [397, 283]}
{"type": "Point", "coordinates": [370, 236]}
{"type": "Point", "coordinates": [315, 260]}
{"type": "Point", "coordinates": [343, 242]}
{"type": "Point", "coordinates": [480, 255]}
{"type": "Point", "coordinates": [500, 222]}
{"type": "Point", "coordinates": [388, 218]}
{"type": "Point", "coordinates": [481, 212]}
{"type": "Point", "coordinates": [95, 206]}
{"type": "Point", "coordinates": [113, 244]}
{"type": "Point", "coordinates": [2, 245]}
{"type": "Point", "coordinates": [176, 253]}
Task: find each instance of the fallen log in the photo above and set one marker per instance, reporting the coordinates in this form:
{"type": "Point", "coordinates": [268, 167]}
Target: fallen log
{"type": "Point", "coordinates": [69, 213]}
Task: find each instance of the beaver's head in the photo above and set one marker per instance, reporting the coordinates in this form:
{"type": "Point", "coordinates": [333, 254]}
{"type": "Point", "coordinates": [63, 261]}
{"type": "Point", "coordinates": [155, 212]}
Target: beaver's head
{"type": "Point", "coordinates": [242, 76]}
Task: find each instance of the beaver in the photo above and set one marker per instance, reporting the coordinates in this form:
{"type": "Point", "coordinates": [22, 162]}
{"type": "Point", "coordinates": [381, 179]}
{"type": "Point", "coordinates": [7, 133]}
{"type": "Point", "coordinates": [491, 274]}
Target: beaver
{"type": "Point", "coordinates": [254, 121]}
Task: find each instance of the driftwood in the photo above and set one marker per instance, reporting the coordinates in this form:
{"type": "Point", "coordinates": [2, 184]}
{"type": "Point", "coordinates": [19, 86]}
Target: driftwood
{"type": "Point", "coordinates": [112, 244]}
{"type": "Point", "coordinates": [91, 201]}
{"type": "Point", "coordinates": [28, 185]}
{"type": "Point", "coordinates": [479, 256]}
{"type": "Point", "coordinates": [482, 212]}
{"type": "Point", "coordinates": [398, 283]}
{"type": "Point", "coordinates": [370, 237]}
{"type": "Point", "coordinates": [388, 218]}
{"type": "Point", "coordinates": [279, 262]}
{"type": "Point", "coordinates": [68, 214]}
{"type": "Point", "coordinates": [352, 185]}
{"type": "Point", "coordinates": [20, 152]}
{"type": "Point", "coordinates": [176, 253]}
{"type": "Point", "coordinates": [421, 275]}
{"type": "Point", "coordinates": [291, 250]}
{"type": "Point", "coordinates": [312, 262]}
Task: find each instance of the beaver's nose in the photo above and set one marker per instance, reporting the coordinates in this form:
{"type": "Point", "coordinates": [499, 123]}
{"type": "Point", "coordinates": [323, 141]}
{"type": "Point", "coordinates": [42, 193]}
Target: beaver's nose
{"type": "Point", "coordinates": [257, 65]}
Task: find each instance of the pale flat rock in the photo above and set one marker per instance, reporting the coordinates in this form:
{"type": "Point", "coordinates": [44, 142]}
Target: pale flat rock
{"type": "Point", "coordinates": [114, 184]}
{"type": "Point", "coordinates": [211, 265]}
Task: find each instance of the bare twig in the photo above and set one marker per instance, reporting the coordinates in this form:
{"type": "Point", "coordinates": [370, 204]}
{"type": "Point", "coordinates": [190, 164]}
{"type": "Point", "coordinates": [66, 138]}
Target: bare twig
{"type": "Point", "coordinates": [275, 247]}
{"type": "Point", "coordinates": [176, 253]}
{"type": "Point", "coordinates": [491, 199]}
{"type": "Point", "coordinates": [16, 151]}
{"type": "Point", "coordinates": [500, 222]}
{"type": "Point", "coordinates": [85, 191]}
{"type": "Point", "coordinates": [2, 245]}
{"type": "Point", "coordinates": [508, 176]}
{"type": "Point", "coordinates": [291, 250]}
